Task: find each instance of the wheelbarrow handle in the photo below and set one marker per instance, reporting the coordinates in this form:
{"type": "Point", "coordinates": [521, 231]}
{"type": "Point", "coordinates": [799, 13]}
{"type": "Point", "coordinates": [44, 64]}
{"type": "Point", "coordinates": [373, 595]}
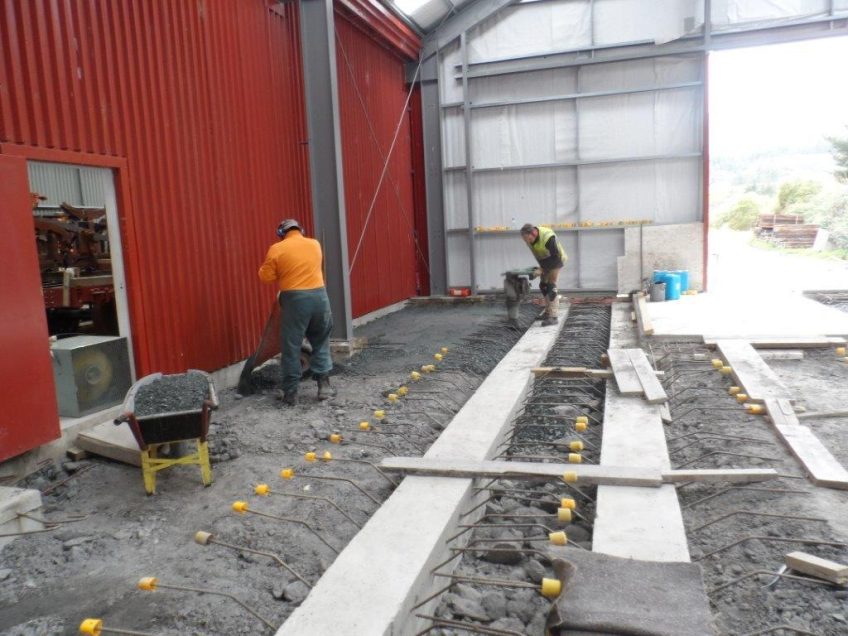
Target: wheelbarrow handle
{"type": "Point", "coordinates": [123, 417]}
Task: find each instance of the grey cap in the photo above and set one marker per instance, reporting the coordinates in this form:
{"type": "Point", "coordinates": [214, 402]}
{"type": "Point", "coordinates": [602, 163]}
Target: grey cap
{"type": "Point", "coordinates": [527, 228]}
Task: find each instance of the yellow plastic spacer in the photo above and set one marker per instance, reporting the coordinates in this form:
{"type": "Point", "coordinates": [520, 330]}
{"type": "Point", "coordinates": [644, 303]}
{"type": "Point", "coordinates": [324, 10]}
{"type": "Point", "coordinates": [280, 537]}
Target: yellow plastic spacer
{"type": "Point", "coordinates": [310, 456]}
{"type": "Point", "coordinates": [240, 507]}
{"type": "Point", "coordinates": [202, 537]}
{"type": "Point", "coordinates": [734, 390]}
{"type": "Point", "coordinates": [551, 588]}
{"type": "Point", "coordinates": [335, 438]}
{"type": "Point", "coordinates": [576, 446]}
{"type": "Point", "coordinates": [402, 390]}
{"type": "Point", "coordinates": [392, 397]}
{"type": "Point", "coordinates": [379, 415]}
{"type": "Point", "coordinates": [582, 418]}
{"type": "Point", "coordinates": [426, 368]}
{"type": "Point", "coordinates": [148, 584]}
{"type": "Point", "coordinates": [91, 626]}
{"type": "Point", "coordinates": [574, 458]}
{"type": "Point", "coordinates": [444, 350]}
{"type": "Point", "coordinates": [741, 397]}
{"type": "Point", "coordinates": [262, 489]}
{"type": "Point", "coordinates": [558, 538]}
{"type": "Point", "coordinates": [415, 376]}
{"type": "Point", "coordinates": [327, 456]}
{"type": "Point", "coordinates": [287, 473]}
{"type": "Point", "coordinates": [364, 426]}
{"type": "Point", "coordinates": [568, 502]}
{"type": "Point", "coordinates": [755, 409]}
{"type": "Point", "coordinates": [718, 363]}
{"type": "Point", "coordinates": [569, 477]}
{"type": "Point", "coordinates": [725, 370]}
{"type": "Point", "coordinates": [580, 426]}
{"type": "Point", "coordinates": [438, 357]}
{"type": "Point", "coordinates": [840, 351]}
{"type": "Point", "coordinates": [564, 514]}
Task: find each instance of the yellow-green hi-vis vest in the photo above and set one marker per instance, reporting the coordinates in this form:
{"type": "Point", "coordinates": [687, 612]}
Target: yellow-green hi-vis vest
{"type": "Point", "coordinates": [540, 249]}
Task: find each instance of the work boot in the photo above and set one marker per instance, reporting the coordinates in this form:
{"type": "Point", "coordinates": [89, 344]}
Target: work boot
{"type": "Point", "coordinates": [547, 321]}
{"type": "Point", "coordinates": [290, 398]}
{"type": "Point", "coordinates": [325, 391]}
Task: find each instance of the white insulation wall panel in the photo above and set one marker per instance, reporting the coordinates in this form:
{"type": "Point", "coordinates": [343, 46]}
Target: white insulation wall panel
{"type": "Point", "coordinates": [459, 260]}
{"type": "Point", "coordinates": [525, 134]}
{"type": "Point", "coordinates": [532, 29]}
{"type": "Point", "coordinates": [733, 13]}
{"type": "Point", "coordinates": [456, 200]}
{"type": "Point", "coordinates": [508, 251]}
{"type": "Point", "coordinates": [451, 58]}
{"type": "Point", "coordinates": [517, 197]}
{"type": "Point", "coordinates": [453, 138]}
{"type": "Point", "coordinates": [530, 85]}
{"type": "Point", "coordinates": [598, 252]}
{"type": "Point", "coordinates": [663, 191]}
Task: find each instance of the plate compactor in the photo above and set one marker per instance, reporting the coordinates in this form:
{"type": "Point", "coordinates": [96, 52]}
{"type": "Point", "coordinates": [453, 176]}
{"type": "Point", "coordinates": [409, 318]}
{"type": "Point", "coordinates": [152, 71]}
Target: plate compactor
{"type": "Point", "coordinates": [516, 289]}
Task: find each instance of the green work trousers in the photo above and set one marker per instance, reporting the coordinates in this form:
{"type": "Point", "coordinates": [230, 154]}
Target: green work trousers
{"type": "Point", "coordinates": [305, 314]}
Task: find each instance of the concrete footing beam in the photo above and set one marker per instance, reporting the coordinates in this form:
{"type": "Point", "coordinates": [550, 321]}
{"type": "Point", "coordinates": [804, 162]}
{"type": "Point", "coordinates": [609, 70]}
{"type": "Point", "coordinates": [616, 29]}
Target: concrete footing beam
{"type": "Point", "coordinates": [385, 571]}
{"type": "Point", "coordinates": [635, 523]}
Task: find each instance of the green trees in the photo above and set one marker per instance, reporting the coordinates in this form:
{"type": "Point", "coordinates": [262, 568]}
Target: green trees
{"type": "Point", "coordinates": [839, 149]}
{"type": "Point", "coordinates": [794, 193]}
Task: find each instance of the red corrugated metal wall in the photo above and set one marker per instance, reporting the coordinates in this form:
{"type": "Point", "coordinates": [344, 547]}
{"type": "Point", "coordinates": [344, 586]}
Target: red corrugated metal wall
{"type": "Point", "coordinates": [372, 95]}
{"type": "Point", "coordinates": [202, 102]}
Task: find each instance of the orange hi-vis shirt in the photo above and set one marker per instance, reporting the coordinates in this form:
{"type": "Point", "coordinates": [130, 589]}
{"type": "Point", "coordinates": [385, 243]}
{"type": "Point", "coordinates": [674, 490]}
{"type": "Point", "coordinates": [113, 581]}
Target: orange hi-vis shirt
{"type": "Point", "coordinates": [294, 263]}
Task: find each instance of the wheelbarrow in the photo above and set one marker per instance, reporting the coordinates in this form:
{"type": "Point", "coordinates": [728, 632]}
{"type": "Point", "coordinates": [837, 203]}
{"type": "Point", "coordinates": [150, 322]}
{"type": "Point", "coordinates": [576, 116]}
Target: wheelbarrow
{"type": "Point", "coordinates": [153, 431]}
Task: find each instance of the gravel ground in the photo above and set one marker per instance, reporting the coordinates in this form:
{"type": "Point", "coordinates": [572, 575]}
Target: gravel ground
{"type": "Point", "coordinates": [90, 568]}
{"type": "Point", "coordinates": [701, 405]}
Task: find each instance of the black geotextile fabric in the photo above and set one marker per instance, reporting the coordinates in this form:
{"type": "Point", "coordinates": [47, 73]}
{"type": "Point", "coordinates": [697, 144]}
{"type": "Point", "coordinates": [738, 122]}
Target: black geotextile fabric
{"type": "Point", "coordinates": [610, 595]}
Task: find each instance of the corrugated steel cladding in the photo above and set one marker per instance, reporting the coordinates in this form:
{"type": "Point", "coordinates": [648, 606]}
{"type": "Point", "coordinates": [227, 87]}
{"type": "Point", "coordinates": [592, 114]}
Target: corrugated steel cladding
{"type": "Point", "coordinates": [372, 94]}
{"type": "Point", "coordinates": [204, 100]}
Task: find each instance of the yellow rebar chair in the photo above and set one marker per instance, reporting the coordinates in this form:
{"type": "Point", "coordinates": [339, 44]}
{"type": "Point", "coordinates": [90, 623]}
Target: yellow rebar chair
{"type": "Point", "coordinates": [160, 429]}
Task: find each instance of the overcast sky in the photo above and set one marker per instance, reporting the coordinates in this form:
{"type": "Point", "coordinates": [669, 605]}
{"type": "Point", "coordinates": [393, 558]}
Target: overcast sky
{"type": "Point", "coordinates": [777, 96]}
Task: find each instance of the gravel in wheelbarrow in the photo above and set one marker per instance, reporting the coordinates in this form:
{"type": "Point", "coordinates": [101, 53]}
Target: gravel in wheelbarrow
{"type": "Point", "coordinates": [172, 394]}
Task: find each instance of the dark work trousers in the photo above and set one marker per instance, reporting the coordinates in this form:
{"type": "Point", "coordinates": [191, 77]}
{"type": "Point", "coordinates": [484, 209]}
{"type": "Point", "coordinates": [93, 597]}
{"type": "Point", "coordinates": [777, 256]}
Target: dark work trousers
{"type": "Point", "coordinates": [305, 313]}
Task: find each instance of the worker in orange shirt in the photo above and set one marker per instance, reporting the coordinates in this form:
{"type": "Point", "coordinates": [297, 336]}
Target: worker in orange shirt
{"type": "Point", "coordinates": [294, 263]}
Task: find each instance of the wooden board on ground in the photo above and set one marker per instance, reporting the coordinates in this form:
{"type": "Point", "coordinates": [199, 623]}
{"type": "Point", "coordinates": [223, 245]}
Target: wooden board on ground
{"type": "Point", "coordinates": [781, 354]}
{"type": "Point", "coordinates": [816, 566]}
{"type": "Point", "coordinates": [665, 413]}
{"type": "Point", "coordinates": [625, 375]}
{"type": "Point", "coordinates": [822, 467]}
{"type": "Point", "coordinates": [571, 372]}
{"type": "Point", "coordinates": [820, 464]}
{"type": "Point", "coordinates": [728, 475]}
{"type": "Point", "coordinates": [643, 318]}
{"type": "Point", "coordinates": [114, 442]}
{"type": "Point", "coordinates": [654, 392]}
{"type": "Point", "coordinates": [586, 473]}
{"type": "Point", "coordinates": [800, 342]}
{"type": "Point", "coordinates": [751, 372]}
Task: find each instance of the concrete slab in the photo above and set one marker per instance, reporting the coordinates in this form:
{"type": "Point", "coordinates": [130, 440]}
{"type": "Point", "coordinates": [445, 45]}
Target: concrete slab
{"type": "Point", "coordinates": [14, 501]}
{"type": "Point", "coordinates": [745, 317]}
{"type": "Point", "coordinates": [637, 523]}
{"type": "Point", "coordinates": [389, 560]}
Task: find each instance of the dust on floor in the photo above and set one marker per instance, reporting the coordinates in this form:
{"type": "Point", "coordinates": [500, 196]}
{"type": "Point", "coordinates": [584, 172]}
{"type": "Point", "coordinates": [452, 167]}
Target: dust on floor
{"type": "Point", "coordinates": [50, 582]}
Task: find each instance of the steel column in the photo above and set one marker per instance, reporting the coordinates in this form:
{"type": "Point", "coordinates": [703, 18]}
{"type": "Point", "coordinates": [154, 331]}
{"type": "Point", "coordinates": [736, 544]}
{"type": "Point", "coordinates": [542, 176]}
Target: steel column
{"type": "Point", "coordinates": [318, 47]}
{"type": "Point", "coordinates": [469, 166]}
{"type": "Point", "coordinates": [432, 122]}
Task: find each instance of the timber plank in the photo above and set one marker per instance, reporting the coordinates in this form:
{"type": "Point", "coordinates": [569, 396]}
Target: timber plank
{"type": "Point", "coordinates": [751, 372]}
{"type": "Point", "coordinates": [586, 473]}
{"type": "Point", "coordinates": [822, 467]}
{"type": "Point", "coordinates": [625, 375]}
{"type": "Point", "coordinates": [730, 475]}
{"type": "Point", "coordinates": [114, 442]}
{"type": "Point", "coordinates": [654, 392]}
{"type": "Point", "coordinates": [816, 566]}
{"type": "Point", "coordinates": [799, 342]}
{"type": "Point", "coordinates": [643, 318]}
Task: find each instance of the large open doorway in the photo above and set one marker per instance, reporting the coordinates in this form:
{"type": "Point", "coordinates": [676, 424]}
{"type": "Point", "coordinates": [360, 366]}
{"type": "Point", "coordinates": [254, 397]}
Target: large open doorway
{"type": "Point", "coordinates": [778, 190]}
{"type": "Point", "coordinates": [77, 237]}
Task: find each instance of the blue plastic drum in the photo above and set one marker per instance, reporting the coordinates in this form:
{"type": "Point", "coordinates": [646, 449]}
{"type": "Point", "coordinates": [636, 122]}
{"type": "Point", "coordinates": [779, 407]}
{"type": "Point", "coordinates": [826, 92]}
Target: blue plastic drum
{"type": "Point", "coordinates": [672, 286]}
{"type": "Point", "coordinates": [684, 279]}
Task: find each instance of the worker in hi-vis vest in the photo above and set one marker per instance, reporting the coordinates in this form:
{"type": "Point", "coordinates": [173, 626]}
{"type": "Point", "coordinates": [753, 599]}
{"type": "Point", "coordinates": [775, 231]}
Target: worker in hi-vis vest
{"type": "Point", "coordinates": [551, 256]}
